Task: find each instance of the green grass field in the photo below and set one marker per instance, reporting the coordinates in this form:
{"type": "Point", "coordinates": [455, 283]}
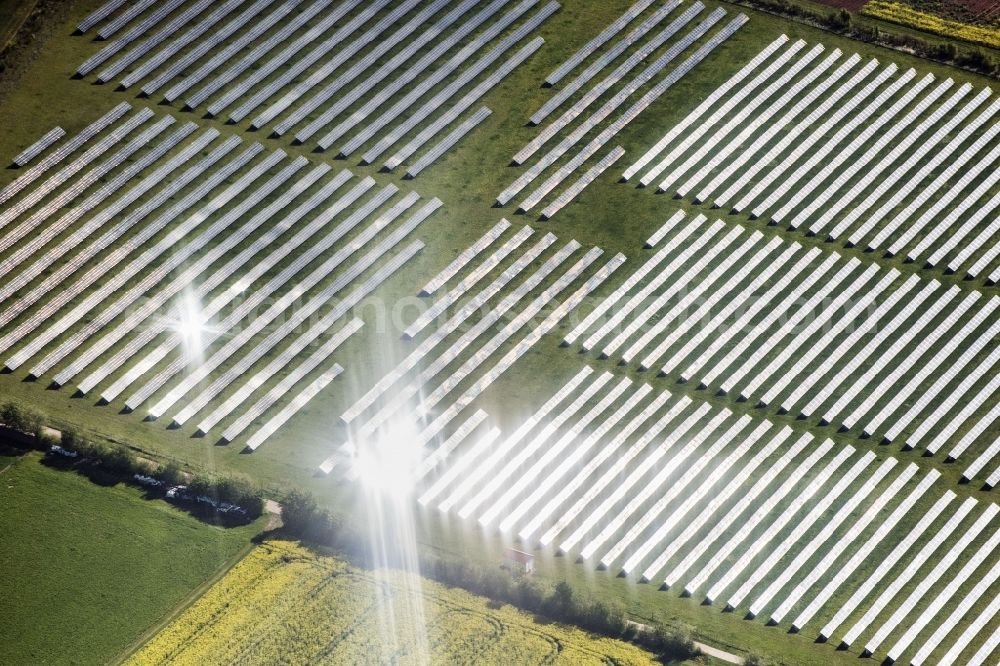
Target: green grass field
{"type": "Point", "coordinates": [89, 568]}
{"type": "Point", "coordinates": [610, 215]}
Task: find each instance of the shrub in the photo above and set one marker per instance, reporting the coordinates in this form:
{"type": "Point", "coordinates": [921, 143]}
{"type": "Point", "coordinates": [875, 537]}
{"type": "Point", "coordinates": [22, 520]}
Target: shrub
{"type": "Point", "coordinates": [669, 643]}
{"type": "Point", "coordinates": [93, 450]}
{"type": "Point", "coordinates": [170, 474]}
{"type": "Point", "coordinates": [119, 460]}
{"type": "Point", "coordinates": [69, 439]}
{"type": "Point", "coordinates": [303, 518]}
{"type": "Point", "coordinates": [528, 594]}
{"type": "Point", "coordinates": [840, 20]}
{"type": "Point", "coordinates": [229, 489]}
{"type": "Point", "coordinates": [22, 419]}
{"type": "Point", "coordinates": [298, 511]}
{"type": "Point", "coordinates": [11, 416]}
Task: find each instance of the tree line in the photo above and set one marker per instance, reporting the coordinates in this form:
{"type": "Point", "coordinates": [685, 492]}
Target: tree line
{"type": "Point", "coordinates": [304, 519]}
{"type": "Point", "coordinates": [841, 22]}
{"type": "Point", "coordinates": [121, 463]}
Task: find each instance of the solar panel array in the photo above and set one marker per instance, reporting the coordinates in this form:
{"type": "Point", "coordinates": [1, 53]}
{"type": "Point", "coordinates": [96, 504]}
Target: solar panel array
{"type": "Point", "coordinates": [857, 151]}
{"type": "Point", "coordinates": [183, 273]}
{"type": "Point", "coordinates": [664, 41]}
{"type": "Point", "coordinates": [745, 512]}
{"type": "Point", "coordinates": [37, 148]}
{"type": "Point", "coordinates": [446, 143]}
{"type": "Point", "coordinates": [476, 330]}
{"type": "Point", "coordinates": [580, 183]}
{"type": "Point", "coordinates": [182, 254]}
{"type": "Point", "coordinates": [590, 47]}
{"type": "Point", "coordinates": [901, 358]}
{"type": "Point", "coordinates": [353, 76]}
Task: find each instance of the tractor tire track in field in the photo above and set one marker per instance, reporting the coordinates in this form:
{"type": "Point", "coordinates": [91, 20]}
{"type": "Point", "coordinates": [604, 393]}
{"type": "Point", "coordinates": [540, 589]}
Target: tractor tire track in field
{"type": "Point", "coordinates": [557, 647]}
{"type": "Point", "coordinates": [500, 630]}
{"type": "Point", "coordinates": [330, 647]}
{"type": "Point", "coordinates": [480, 644]}
{"type": "Point", "coordinates": [298, 602]}
{"type": "Point", "coordinates": [211, 620]}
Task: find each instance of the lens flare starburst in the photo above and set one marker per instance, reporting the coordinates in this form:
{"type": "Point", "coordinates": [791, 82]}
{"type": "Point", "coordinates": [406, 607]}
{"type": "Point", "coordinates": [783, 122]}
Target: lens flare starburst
{"type": "Point", "coordinates": [189, 320]}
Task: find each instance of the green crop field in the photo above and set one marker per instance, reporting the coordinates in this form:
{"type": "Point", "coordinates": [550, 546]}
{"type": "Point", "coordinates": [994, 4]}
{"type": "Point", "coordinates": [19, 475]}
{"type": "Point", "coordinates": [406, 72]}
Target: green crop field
{"type": "Point", "coordinates": [614, 216]}
{"type": "Point", "coordinates": [88, 568]}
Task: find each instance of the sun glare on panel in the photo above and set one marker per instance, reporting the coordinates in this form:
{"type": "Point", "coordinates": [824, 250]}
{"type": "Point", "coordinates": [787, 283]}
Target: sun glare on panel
{"type": "Point", "coordinates": [387, 464]}
{"type": "Point", "coordinates": [189, 321]}
{"type": "Point", "coordinates": [385, 469]}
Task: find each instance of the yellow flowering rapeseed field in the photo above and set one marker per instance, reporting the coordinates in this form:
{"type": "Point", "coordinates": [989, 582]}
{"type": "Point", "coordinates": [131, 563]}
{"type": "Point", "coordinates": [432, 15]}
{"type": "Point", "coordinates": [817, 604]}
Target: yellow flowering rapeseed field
{"type": "Point", "coordinates": [283, 604]}
{"type": "Point", "coordinates": [896, 12]}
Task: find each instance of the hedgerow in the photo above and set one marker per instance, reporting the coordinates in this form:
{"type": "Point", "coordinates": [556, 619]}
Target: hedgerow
{"type": "Point", "coordinates": [304, 519]}
{"type": "Point", "coordinates": [121, 463]}
{"type": "Point", "coordinates": [841, 22]}
{"type": "Point", "coordinates": [897, 12]}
